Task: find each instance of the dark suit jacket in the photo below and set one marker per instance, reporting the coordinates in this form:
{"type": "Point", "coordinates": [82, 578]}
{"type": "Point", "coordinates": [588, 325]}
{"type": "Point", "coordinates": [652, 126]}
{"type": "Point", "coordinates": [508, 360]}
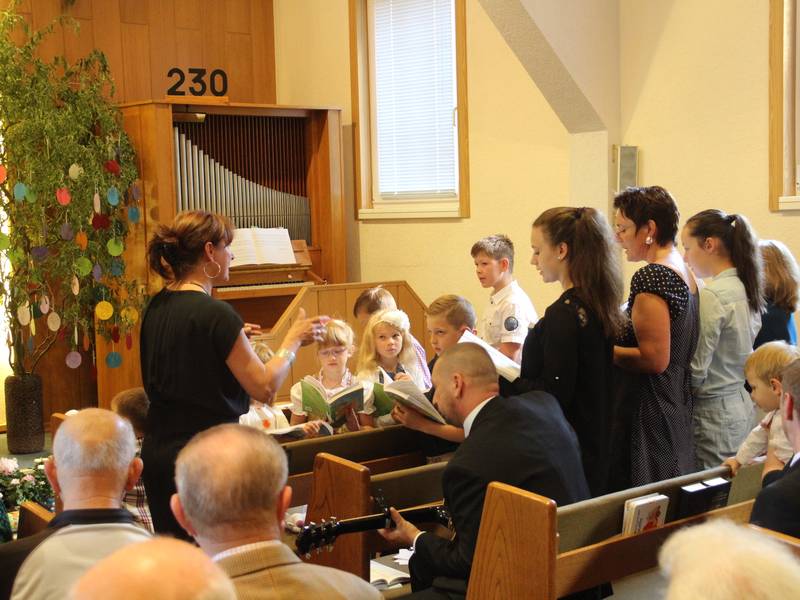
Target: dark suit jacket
{"type": "Point", "coordinates": [777, 506]}
{"type": "Point", "coordinates": [523, 441]}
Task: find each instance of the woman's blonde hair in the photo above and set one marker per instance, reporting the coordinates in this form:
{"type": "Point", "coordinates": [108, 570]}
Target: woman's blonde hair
{"type": "Point", "coordinates": [781, 275]}
{"type": "Point", "coordinates": [368, 353]}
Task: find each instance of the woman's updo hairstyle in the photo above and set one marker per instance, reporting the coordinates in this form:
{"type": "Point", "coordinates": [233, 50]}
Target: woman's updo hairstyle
{"type": "Point", "coordinates": [176, 249]}
{"type": "Point", "coordinates": [643, 204]}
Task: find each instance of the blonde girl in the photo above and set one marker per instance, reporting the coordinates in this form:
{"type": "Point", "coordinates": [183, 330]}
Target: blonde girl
{"type": "Point", "coordinates": [387, 352]}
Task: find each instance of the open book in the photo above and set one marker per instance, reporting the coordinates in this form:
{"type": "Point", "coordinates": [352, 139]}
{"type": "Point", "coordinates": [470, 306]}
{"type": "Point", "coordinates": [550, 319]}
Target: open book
{"type": "Point", "coordinates": [506, 368]}
{"type": "Point", "coordinates": [335, 411]}
{"type": "Point", "coordinates": [259, 246]}
{"type": "Point", "coordinates": [407, 394]}
{"type": "Point", "coordinates": [295, 432]}
{"type": "Point", "coordinates": [644, 512]}
{"type": "Point", "coordinates": [383, 576]}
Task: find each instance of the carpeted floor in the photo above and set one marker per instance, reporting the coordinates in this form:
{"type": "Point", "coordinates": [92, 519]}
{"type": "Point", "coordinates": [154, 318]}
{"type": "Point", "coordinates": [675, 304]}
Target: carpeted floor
{"type": "Point", "coordinates": [25, 460]}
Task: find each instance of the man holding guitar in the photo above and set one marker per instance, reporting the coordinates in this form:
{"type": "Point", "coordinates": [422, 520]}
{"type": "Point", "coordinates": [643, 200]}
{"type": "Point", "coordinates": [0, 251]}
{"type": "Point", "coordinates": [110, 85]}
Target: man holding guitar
{"type": "Point", "coordinates": [523, 441]}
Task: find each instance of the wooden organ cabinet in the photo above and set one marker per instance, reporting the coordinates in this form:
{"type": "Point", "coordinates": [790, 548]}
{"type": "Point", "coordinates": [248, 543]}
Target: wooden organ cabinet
{"type": "Point", "coordinates": [261, 165]}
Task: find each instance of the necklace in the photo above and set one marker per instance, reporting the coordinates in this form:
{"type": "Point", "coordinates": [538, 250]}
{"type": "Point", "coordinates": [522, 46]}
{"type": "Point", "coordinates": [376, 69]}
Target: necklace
{"type": "Point", "coordinates": [195, 283]}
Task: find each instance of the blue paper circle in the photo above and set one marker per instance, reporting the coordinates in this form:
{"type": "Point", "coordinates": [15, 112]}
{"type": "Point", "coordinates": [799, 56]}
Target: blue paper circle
{"type": "Point", "coordinates": [112, 196]}
{"type": "Point", "coordinates": [117, 267]}
{"type": "Point", "coordinates": [19, 191]}
{"type": "Point", "coordinates": [113, 360]}
{"type": "Point", "coordinates": [133, 214]}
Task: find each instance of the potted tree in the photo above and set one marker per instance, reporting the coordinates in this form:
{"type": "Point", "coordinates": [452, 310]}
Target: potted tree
{"type": "Point", "coordinates": [67, 200]}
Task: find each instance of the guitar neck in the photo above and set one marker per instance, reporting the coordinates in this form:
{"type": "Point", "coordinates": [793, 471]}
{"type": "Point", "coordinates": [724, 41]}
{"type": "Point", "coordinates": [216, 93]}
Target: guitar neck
{"type": "Point", "coordinates": [379, 521]}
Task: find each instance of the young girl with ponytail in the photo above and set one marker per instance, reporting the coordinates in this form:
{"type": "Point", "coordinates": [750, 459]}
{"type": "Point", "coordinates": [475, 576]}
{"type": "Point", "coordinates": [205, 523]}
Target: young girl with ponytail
{"type": "Point", "coordinates": [723, 248]}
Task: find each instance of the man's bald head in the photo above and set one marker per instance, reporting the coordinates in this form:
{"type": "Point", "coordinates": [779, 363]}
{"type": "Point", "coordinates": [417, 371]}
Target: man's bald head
{"type": "Point", "coordinates": [464, 376]}
{"type": "Point", "coordinates": [161, 568]}
{"type": "Point", "coordinates": [93, 442]}
{"type": "Point", "coordinates": [230, 476]}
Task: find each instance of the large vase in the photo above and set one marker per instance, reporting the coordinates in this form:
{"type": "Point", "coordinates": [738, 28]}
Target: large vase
{"type": "Point", "coordinates": [24, 414]}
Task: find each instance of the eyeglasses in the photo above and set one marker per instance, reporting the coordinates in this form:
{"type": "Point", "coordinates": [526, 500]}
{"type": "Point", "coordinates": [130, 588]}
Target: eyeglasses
{"type": "Point", "coordinates": [337, 352]}
{"type": "Point", "coordinates": [620, 229]}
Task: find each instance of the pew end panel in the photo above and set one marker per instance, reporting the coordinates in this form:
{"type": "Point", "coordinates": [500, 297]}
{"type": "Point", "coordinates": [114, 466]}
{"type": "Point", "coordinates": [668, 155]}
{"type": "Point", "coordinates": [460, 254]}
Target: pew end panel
{"type": "Point", "coordinates": [33, 518]}
{"type": "Point", "coordinates": [516, 546]}
{"type": "Point", "coordinates": [340, 488]}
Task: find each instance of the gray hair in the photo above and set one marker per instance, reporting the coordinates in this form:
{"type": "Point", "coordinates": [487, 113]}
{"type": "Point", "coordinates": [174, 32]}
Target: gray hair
{"type": "Point", "coordinates": [94, 440]}
{"type": "Point", "coordinates": [720, 560]}
{"type": "Point", "coordinates": [228, 475]}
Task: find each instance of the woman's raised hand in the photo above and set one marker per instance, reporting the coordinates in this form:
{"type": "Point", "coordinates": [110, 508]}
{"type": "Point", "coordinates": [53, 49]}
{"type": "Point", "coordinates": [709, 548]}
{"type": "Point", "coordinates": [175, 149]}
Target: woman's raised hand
{"type": "Point", "coordinates": [307, 330]}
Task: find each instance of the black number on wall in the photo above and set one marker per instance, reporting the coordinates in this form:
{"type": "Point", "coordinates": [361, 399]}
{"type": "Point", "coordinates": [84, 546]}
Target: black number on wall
{"type": "Point", "coordinates": [218, 80]}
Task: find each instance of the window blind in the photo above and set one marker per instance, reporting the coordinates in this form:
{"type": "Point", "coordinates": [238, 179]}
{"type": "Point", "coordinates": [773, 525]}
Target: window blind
{"type": "Point", "coordinates": [415, 98]}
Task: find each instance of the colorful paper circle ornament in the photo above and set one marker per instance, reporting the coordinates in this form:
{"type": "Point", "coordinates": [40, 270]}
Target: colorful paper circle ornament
{"type": "Point", "coordinates": [5, 242]}
{"type": "Point", "coordinates": [75, 285]}
{"type": "Point", "coordinates": [44, 305]}
{"type": "Point", "coordinates": [53, 321]}
{"type": "Point", "coordinates": [100, 221]}
{"type": "Point", "coordinates": [30, 195]}
{"type": "Point", "coordinates": [112, 167]}
{"type": "Point", "coordinates": [87, 343]}
{"type": "Point", "coordinates": [112, 196]}
{"type": "Point", "coordinates": [97, 272]}
{"type": "Point", "coordinates": [96, 202]}
{"type": "Point", "coordinates": [75, 171]}
{"type": "Point", "coordinates": [83, 266]}
{"type": "Point", "coordinates": [129, 315]}
{"type": "Point", "coordinates": [66, 232]}
{"type": "Point", "coordinates": [63, 197]}
{"type": "Point", "coordinates": [20, 189]}
{"type": "Point", "coordinates": [115, 334]}
{"type": "Point", "coordinates": [74, 359]}
{"type": "Point", "coordinates": [24, 314]}
{"type": "Point", "coordinates": [104, 310]}
{"type": "Point", "coordinates": [82, 240]}
{"type": "Point", "coordinates": [39, 253]}
{"type": "Point", "coordinates": [133, 214]}
{"type": "Point", "coordinates": [33, 327]}
{"type": "Point", "coordinates": [113, 360]}
{"type": "Point", "coordinates": [3, 174]}
{"type": "Point", "coordinates": [128, 341]}
{"type": "Point", "coordinates": [115, 247]}
{"type": "Point", "coordinates": [117, 267]}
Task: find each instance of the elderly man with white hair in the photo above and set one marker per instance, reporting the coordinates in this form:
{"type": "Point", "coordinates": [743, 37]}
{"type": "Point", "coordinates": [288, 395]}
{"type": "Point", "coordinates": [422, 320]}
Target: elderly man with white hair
{"type": "Point", "coordinates": [232, 497]}
{"type": "Point", "coordinates": [94, 462]}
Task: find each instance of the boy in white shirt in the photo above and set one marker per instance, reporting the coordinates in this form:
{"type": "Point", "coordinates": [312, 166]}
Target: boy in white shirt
{"type": "Point", "coordinates": [763, 370]}
{"type": "Point", "coordinates": [510, 313]}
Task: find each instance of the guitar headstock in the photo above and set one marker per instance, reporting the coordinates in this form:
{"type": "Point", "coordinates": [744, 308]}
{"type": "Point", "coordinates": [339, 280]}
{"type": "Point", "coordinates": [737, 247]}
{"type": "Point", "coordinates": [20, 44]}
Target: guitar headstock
{"type": "Point", "coordinates": [314, 536]}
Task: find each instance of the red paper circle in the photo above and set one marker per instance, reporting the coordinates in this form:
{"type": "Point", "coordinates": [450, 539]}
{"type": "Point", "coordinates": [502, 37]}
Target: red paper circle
{"type": "Point", "coordinates": [63, 196]}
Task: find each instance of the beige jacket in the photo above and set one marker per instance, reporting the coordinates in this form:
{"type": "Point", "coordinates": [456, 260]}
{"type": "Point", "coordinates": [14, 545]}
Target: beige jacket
{"type": "Point", "coordinates": [276, 573]}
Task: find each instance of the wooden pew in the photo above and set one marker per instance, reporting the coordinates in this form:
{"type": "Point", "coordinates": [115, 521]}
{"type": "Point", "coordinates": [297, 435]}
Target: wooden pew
{"type": "Point", "coordinates": [792, 543]}
{"type": "Point", "coordinates": [380, 450]}
{"type": "Point", "coordinates": [345, 489]}
{"type": "Point", "coordinates": [516, 555]}
{"type": "Point", "coordinates": [33, 518]}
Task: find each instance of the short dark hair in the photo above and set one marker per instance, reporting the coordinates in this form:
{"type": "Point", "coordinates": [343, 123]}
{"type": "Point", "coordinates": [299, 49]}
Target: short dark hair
{"type": "Point", "coordinates": [496, 247]}
{"type": "Point", "coordinates": [132, 404]}
{"type": "Point", "coordinates": [643, 204]}
{"type": "Point", "coordinates": [371, 300]}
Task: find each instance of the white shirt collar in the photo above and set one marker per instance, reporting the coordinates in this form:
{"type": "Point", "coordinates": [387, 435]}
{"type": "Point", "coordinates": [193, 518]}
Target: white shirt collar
{"type": "Point", "coordinates": [504, 293]}
{"type": "Point", "coordinates": [246, 548]}
{"type": "Point", "coordinates": [795, 458]}
{"type": "Point", "coordinates": [471, 416]}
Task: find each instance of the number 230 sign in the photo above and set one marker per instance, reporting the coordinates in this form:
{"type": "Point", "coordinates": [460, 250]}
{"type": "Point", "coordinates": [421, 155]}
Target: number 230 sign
{"type": "Point", "coordinates": [200, 81]}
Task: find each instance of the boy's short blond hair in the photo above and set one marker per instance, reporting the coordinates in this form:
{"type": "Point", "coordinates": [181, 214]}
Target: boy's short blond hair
{"type": "Point", "coordinates": [374, 299]}
{"type": "Point", "coordinates": [456, 310]}
{"type": "Point", "coordinates": [496, 246]}
{"type": "Point", "coordinates": [768, 361]}
{"type": "Point", "coordinates": [337, 333]}
{"type": "Point", "coordinates": [132, 404]}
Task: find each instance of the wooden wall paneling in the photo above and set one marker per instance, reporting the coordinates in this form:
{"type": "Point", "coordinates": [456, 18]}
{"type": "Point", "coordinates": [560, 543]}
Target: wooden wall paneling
{"type": "Point", "coordinates": [213, 18]}
{"type": "Point", "coordinates": [17, 35]}
{"type": "Point", "coordinates": [306, 361]}
{"type": "Point", "coordinates": [82, 9]}
{"type": "Point", "coordinates": [136, 61]}
{"type": "Point", "coordinates": [78, 43]}
{"type": "Point", "coordinates": [237, 16]}
{"type": "Point", "coordinates": [163, 51]}
{"type": "Point", "coordinates": [239, 61]}
{"type": "Point", "coordinates": [44, 12]}
{"type": "Point", "coordinates": [64, 388]}
{"type": "Point", "coordinates": [189, 48]}
{"type": "Point", "coordinates": [263, 40]}
{"type": "Point", "coordinates": [188, 14]}
{"type": "Point", "coordinates": [350, 299]}
{"type": "Point", "coordinates": [108, 39]}
{"type": "Point", "coordinates": [134, 11]}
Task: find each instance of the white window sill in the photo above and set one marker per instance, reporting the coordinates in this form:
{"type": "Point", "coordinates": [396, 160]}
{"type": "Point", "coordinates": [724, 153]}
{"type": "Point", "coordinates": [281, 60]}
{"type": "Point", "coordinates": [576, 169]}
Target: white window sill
{"type": "Point", "coordinates": [786, 203]}
{"type": "Point", "coordinates": [450, 209]}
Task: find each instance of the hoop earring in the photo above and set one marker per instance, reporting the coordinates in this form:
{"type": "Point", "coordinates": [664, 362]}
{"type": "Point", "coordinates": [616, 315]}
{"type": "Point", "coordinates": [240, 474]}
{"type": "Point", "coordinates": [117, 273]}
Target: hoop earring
{"type": "Point", "coordinates": [215, 275]}
{"type": "Point", "coordinates": [648, 240]}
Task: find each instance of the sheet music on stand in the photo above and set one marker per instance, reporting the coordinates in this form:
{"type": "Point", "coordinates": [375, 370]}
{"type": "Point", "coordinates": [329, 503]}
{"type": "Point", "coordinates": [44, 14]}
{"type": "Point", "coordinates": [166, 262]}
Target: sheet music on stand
{"type": "Point", "coordinates": [261, 246]}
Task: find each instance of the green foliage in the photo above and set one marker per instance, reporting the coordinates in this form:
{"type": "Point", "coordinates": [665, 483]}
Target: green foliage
{"type": "Point", "coordinates": [58, 130]}
{"type": "Point", "coordinates": [21, 485]}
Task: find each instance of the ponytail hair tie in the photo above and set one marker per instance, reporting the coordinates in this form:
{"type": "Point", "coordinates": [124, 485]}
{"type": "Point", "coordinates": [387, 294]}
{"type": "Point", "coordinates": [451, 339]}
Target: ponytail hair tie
{"type": "Point", "coordinates": [732, 219]}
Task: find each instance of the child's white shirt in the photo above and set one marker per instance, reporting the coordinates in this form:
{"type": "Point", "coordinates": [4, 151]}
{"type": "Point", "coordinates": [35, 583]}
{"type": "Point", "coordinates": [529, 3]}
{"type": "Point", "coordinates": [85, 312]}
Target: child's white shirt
{"type": "Point", "coordinates": [296, 393]}
{"type": "Point", "coordinates": [767, 434]}
{"type": "Point", "coordinates": [381, 375]}
{"type": "Point", "coordinates": [508, 317]}
{"type": "Point", "coordinates": [264, 417]}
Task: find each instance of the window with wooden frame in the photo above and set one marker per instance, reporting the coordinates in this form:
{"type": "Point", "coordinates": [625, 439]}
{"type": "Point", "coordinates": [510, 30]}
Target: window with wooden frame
{"type": "Point", "coordinates": [784, 191]}
{"type": "Point", "coordinates": [409, 96]}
